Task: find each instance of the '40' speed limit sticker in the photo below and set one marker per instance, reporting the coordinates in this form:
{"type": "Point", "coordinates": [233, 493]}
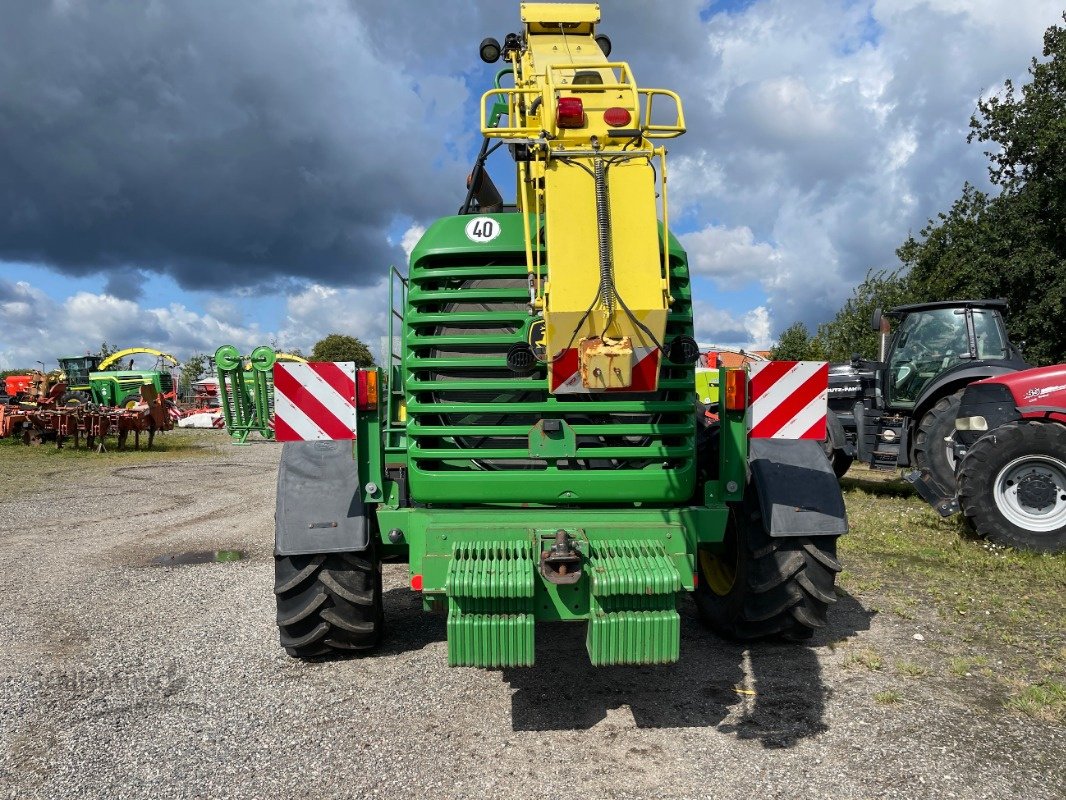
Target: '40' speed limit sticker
{"type": "Point", "coordinates": [482, 229]}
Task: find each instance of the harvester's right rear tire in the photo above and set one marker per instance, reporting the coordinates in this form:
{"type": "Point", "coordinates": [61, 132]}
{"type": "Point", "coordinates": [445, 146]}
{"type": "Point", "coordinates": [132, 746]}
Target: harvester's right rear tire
{"type": "Point", "coordinates": [759, 587]}
{"type": "Point", "coordinates": [328, 604]}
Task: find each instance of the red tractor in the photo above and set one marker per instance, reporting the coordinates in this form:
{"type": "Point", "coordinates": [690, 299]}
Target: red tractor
{"type": "Point", "coordinates": [1010, 447]}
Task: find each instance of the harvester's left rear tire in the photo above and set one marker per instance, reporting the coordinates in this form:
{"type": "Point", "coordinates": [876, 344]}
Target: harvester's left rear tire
{"type": "Point", "coordinates": [328, 604]}
{"type": "Point", "coordinates": [759, 587]}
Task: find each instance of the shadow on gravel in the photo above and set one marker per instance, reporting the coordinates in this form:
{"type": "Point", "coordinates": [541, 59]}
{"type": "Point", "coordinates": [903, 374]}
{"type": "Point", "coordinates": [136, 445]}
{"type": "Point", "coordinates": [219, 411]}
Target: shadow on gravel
{"type": "Point", "coordinates": [407, 626]}
{"type": "Point", "coordinates": [781, 703]}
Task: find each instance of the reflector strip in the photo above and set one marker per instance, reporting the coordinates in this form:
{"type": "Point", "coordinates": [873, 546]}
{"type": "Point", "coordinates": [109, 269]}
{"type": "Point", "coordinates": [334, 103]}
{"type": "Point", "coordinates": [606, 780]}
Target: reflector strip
{"type": "Point", "coordinates": [789, 400]}
{"type": "Point", "coordinates": [314, 401]}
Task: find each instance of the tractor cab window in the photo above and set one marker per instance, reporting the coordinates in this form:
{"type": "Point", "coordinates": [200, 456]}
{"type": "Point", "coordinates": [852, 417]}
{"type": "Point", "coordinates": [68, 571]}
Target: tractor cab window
{"type": "Point", "coordinates": [991, 338]}
{"type": "Point", "coordinates": [927, 344]}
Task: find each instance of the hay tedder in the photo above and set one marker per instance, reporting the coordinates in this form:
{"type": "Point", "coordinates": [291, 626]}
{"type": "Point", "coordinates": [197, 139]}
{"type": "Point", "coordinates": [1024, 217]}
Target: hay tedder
{"type": "Point", "coordinates": [533, 450]}
{"type": "Point", "coordinates": [246, 390]}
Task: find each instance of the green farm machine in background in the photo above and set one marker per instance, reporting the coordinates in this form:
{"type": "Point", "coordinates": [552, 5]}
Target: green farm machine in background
{"type": "Point", "coordinates": [89, 379]}
{"type": "Point", "coordinates": [533, 449]}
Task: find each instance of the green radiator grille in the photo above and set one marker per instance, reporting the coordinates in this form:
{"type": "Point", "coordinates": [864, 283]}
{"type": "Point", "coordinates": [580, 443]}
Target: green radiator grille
{"type": "Point", "coordinates": [469, 417]}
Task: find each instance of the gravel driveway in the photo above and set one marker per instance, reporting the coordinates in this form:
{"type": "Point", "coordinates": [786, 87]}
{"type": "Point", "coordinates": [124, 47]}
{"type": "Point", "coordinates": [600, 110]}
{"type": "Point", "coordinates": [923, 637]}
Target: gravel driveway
{"type": "Point", "coordinates": [120, 678]}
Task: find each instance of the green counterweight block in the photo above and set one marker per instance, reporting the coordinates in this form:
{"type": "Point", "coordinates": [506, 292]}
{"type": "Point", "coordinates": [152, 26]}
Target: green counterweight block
{"type": "Point", "coordinates": [633, 607]}
{"type": "Point", "coordinates": [490, 604]}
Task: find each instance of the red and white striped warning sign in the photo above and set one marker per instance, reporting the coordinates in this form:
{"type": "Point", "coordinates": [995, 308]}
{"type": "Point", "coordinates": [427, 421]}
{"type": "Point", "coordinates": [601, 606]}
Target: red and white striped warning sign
{"type": "Point", "coordinates": [789, 400]}
{"type": "Point", "coordinates": [566, 375]}
{"type": "Point", "coordinates": [314, 401]}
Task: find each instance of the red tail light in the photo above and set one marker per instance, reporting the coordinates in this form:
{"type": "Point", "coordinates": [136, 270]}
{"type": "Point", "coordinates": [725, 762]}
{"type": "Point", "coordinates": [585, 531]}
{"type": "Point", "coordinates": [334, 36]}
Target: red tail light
{"type": "Point", "coordinates": [736, 390]}
{"type": "Point", "coordinates": [570, 113]}
{"type": "Point", "coordinates": [366, 389]}
{"type": "Point", "coordinates": [617, 117]}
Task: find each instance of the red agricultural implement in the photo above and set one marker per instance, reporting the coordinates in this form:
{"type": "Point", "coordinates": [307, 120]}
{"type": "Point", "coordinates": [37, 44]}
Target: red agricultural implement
{"type": "Point", "coordinates": [47, 422]}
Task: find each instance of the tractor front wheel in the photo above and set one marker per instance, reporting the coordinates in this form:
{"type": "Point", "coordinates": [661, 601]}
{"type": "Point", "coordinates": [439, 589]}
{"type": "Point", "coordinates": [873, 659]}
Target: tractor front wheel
{"type": "Point", "coordinates": [328, 603]}
{"type": "Point", "coordinates": [933, 444]}
{"type": "Point", "coordinates": [1012, 486]}
{"type": "Point", "coordinates": [754, 586]}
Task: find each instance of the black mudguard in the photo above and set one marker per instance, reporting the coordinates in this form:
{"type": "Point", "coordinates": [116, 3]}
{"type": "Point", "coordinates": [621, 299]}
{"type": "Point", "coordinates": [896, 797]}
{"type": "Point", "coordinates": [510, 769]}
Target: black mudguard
{"type": "Point", "coordinates": [320, 506]}
{"type": "Point", "coordinates": [798, 493]}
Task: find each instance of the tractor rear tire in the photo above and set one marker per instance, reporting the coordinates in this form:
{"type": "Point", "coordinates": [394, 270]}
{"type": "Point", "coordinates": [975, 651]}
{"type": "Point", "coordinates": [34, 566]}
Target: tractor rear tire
{"type": "Point", "coordinates": [761, 587]}
{"type": "Point", "coordinates": [75, 399]}
{"type": "Point", "coordinates": [329, 603]}
{"type": "Point", "coordinates": [933, 450]}
{"type": "Point", "coordinates": [1012, 486]}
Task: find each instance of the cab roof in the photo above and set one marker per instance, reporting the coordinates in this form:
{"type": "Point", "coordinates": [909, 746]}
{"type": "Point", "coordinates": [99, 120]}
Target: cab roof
{"type": "Point", "coordinates": [999, 304]}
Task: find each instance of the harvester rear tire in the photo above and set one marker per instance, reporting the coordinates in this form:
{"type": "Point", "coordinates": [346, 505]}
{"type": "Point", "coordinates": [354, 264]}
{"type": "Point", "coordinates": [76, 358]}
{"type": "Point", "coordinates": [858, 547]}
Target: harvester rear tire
{"type": "Point", "coordinates": [933, 448]}
{"type": "Point", "coordinates": [763, 587]}
{"type": "Point", "coordinates": [991, 479]}
{"type": "Point", "coordinates": [328, 603]}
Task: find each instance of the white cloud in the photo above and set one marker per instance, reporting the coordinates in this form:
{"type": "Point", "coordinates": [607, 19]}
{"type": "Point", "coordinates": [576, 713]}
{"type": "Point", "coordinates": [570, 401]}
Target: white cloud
{"type": "Point", "coordinates": [821, 134]}
{"type": "Point", "coordinates": [750, 330]}
{"type": "Point", "coordinates": [37, 327]}
{"type": "Point", "coordinates": [320, 310]}
{"type": "Point", "coordinates": [410, 239]}
{"type": "Point", "coordinates": [730, 255]}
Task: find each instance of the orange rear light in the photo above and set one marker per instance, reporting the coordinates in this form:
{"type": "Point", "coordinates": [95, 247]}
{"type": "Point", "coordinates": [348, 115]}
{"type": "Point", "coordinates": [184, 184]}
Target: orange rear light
{"type": "Point", "coordinates": [736, 390]}
{"type": "Point", "coordinates": [366, 389]}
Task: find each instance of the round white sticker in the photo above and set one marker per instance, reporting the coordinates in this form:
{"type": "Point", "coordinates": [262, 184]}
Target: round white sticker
{"type": "Point", "coordinates": [482, 229]}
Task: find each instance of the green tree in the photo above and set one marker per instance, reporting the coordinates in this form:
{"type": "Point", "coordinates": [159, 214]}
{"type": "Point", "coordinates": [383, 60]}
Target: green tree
{"type": "Point", "coordinates": [338, 347]}
{"type": "Point", "coordinates": [849, 331]}
{"type": "Point", "coordinates": [192, 370]}
{"type": "Point", "coordinates": [1012, 245]}
{"type": "Point", "coordinates": [797, 344]}
{"type": "Point", "coordinates": [106, 351]}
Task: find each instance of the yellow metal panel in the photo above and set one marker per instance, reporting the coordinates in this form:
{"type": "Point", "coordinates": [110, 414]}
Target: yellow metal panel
{"type": "Point", "coordinates": [573, 255]}
{"type": "Point", "coordinates": [635, 231]}
{"type": "Point", "coordinates": [567, 13]}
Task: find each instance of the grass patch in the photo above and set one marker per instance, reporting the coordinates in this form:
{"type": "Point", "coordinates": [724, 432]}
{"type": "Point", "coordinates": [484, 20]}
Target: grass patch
{"type": "Point", "coordinates": [967, 667]}
{"type": "Point", "coordinates": [1045, 700]}
{"type": "Point", "coordinates": [27, 469]}
{"type": "Point", "coordinates": [887, 697]}
{"type": "Point", "coordinates": [870, 659]}
{"type": "Point", "coordinates": [911, 669]}
{"type": "Point", "coordinates": [901, 556]}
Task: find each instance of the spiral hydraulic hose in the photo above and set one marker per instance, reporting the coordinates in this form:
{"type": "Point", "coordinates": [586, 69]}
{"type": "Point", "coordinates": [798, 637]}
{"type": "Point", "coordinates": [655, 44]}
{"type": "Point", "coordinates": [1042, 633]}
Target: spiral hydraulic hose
{"type": "Point", "coordinates": [603, 231]}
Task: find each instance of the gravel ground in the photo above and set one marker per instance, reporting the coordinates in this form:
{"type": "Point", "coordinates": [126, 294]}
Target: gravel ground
{"type": "Point", "coordinates": [123, 679]}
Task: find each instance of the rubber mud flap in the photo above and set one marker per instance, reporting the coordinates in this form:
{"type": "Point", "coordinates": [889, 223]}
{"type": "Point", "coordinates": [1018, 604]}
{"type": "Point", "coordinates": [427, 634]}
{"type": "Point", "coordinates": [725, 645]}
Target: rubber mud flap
{"type": "Point", "coordinates": [319, 507]}
{"type": "Point", "coordinates": [799, 495]}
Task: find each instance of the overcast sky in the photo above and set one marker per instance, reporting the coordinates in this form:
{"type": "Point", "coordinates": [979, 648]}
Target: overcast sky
{"type": "Point", "coordinates": [186, 175]}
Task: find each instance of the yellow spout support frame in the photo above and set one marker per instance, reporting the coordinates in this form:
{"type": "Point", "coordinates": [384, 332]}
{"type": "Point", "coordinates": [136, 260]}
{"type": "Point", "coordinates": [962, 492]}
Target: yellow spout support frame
{"type": "Point", "coordinates": [583, 133]}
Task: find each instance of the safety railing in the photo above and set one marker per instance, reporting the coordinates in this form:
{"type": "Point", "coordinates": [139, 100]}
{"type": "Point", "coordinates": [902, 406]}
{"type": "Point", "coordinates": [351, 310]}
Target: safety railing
{"type": "Point", "coordinates": [538, 104]}
{"type": "Point", "coordinates": [395, 410]}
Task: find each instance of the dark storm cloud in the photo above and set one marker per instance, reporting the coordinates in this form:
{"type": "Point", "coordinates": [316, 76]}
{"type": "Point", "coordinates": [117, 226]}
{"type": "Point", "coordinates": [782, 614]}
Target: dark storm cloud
{"type": "Point", "coordinates": [223, 143]}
